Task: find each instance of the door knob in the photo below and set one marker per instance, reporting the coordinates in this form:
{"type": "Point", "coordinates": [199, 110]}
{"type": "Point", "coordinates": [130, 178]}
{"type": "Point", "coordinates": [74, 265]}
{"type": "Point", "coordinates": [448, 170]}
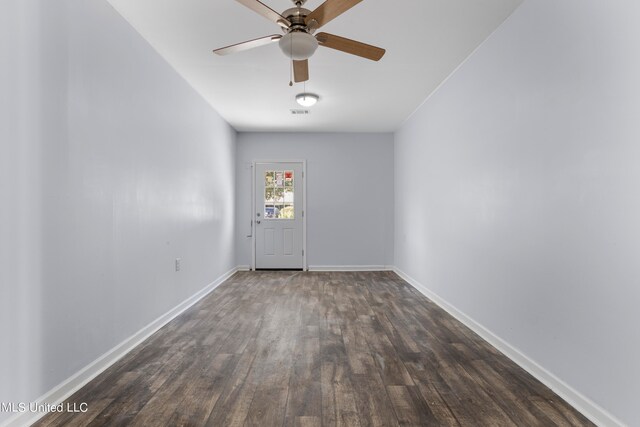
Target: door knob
{"type": "Point", "coordinates": [257, 222]}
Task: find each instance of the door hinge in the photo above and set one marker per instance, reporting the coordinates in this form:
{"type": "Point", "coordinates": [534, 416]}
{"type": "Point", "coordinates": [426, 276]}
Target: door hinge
{"type": "Point", "coordinates": [302, 214]}
{"type": "Point", "coordinates": [303, 252]}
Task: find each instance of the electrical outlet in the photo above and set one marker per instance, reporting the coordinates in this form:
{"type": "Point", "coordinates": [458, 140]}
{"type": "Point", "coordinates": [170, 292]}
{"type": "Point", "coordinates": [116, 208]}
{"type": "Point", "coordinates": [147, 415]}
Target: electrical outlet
{"type": "Point", "coordinates": [178, 263]}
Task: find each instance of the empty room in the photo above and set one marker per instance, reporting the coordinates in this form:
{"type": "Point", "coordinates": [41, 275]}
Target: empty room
{"type": "Point", "coordinates": [319, 213]}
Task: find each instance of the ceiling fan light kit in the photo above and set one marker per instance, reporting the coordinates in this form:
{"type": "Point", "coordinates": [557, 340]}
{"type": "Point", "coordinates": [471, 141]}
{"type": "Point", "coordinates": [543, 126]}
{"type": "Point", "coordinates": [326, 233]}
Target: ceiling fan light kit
{"type": "Point", "coordinates": [307, 99]}
{"type": "Point", "coordinates": [299, 43]}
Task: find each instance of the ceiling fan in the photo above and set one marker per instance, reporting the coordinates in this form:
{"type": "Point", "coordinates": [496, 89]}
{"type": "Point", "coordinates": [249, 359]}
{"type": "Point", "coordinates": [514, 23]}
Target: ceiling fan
{"type": "Point", "coordinates": [299, 25]}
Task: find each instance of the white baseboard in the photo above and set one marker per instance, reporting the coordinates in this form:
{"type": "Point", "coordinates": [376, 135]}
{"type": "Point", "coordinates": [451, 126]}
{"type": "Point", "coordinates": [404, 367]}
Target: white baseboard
{"type": "Point", "coordinates": [350, 268]}
{"type": "Point", "coordinates": [584, 405]}
{"type": "Point", "coordinates": [243, 268]}
{"type": "Point", "coordinates": [72, 384]}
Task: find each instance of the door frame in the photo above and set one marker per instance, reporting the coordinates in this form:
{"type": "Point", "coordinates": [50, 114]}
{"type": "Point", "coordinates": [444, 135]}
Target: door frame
{"type": "Point", "coordinates": [305, 267]}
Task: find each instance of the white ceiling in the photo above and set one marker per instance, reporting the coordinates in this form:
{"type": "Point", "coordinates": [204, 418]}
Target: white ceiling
{"type": "Point", "coordinates": [425, 41]}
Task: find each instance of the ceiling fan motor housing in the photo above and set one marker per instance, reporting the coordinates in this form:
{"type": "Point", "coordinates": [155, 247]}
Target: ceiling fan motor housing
{"type": "Point", "coordinates": [298, 45]}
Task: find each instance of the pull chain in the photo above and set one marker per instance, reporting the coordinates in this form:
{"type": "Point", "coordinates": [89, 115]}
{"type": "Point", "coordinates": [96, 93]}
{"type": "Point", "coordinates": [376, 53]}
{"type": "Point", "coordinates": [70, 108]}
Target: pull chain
{"type": "Point", "coordinates": [291, 74]}
{"type": "Point", "coordinates": [291, 68]}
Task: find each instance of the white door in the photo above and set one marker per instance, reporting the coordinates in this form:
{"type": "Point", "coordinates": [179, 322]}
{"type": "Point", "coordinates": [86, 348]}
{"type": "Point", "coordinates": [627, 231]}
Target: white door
{"type": "Point", "coordinates": [279, 215]}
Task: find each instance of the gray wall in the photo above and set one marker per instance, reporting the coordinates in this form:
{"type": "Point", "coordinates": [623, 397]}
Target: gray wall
{"type": "Point", "coordinates": [517, 196]}
{"type": "Point", "coordinates": [111, 167]}
{"type": "Point", "coordinates": [349, 194]}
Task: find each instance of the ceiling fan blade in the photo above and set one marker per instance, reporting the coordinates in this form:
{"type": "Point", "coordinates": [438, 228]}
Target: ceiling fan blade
{"type": "Point", "coordinates": [266, 11]}
{"type": "Point", "coordinates": [238, 47]}
{"type": "Point", "coordinates": [301, 71]}
{"type": "Point", "coordinates": [329, 10]}
{"type": "Point", "coordinates": [350, 46]}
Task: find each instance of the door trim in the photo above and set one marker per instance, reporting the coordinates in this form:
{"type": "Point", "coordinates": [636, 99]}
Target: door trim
{"type": "Point", "coordinates": [305, 266]}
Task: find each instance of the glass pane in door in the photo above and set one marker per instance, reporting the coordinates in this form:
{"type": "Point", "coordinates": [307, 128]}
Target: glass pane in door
{"type": "Point", "coordinates": [279, 195]}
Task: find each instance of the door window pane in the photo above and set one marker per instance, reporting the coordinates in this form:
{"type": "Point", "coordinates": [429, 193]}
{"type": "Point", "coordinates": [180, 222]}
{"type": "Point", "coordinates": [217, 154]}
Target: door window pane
{"type": "Point", "coordinates": [269, 210]}
{"type": "Point", "coordinates": [268, 179]}
{"type": "Point", "coordinates": [287, 212]}
{"type": "Point", "coordinates": [279, 195]}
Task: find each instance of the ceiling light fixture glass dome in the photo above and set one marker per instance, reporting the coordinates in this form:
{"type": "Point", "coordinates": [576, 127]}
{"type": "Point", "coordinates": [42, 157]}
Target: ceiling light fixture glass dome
{"type": "Point", "coordinates": [298, 45]}
{"type": "Point", "coordinates": [307, 99]}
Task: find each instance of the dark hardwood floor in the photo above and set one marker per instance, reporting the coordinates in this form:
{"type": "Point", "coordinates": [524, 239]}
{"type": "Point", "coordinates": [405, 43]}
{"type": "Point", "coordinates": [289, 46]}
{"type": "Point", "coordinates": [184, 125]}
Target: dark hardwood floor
{"type": "Point", "coordinates": [316, 349]}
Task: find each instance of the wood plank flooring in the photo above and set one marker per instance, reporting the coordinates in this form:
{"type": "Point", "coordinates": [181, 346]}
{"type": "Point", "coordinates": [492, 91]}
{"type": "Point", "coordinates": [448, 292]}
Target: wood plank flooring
{"type": "Point", "coordinates": [316, 349]}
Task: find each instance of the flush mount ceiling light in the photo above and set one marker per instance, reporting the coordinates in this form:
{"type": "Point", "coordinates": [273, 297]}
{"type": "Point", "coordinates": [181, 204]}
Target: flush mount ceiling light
{"type": "Point", "coordinates": [307, 99]}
